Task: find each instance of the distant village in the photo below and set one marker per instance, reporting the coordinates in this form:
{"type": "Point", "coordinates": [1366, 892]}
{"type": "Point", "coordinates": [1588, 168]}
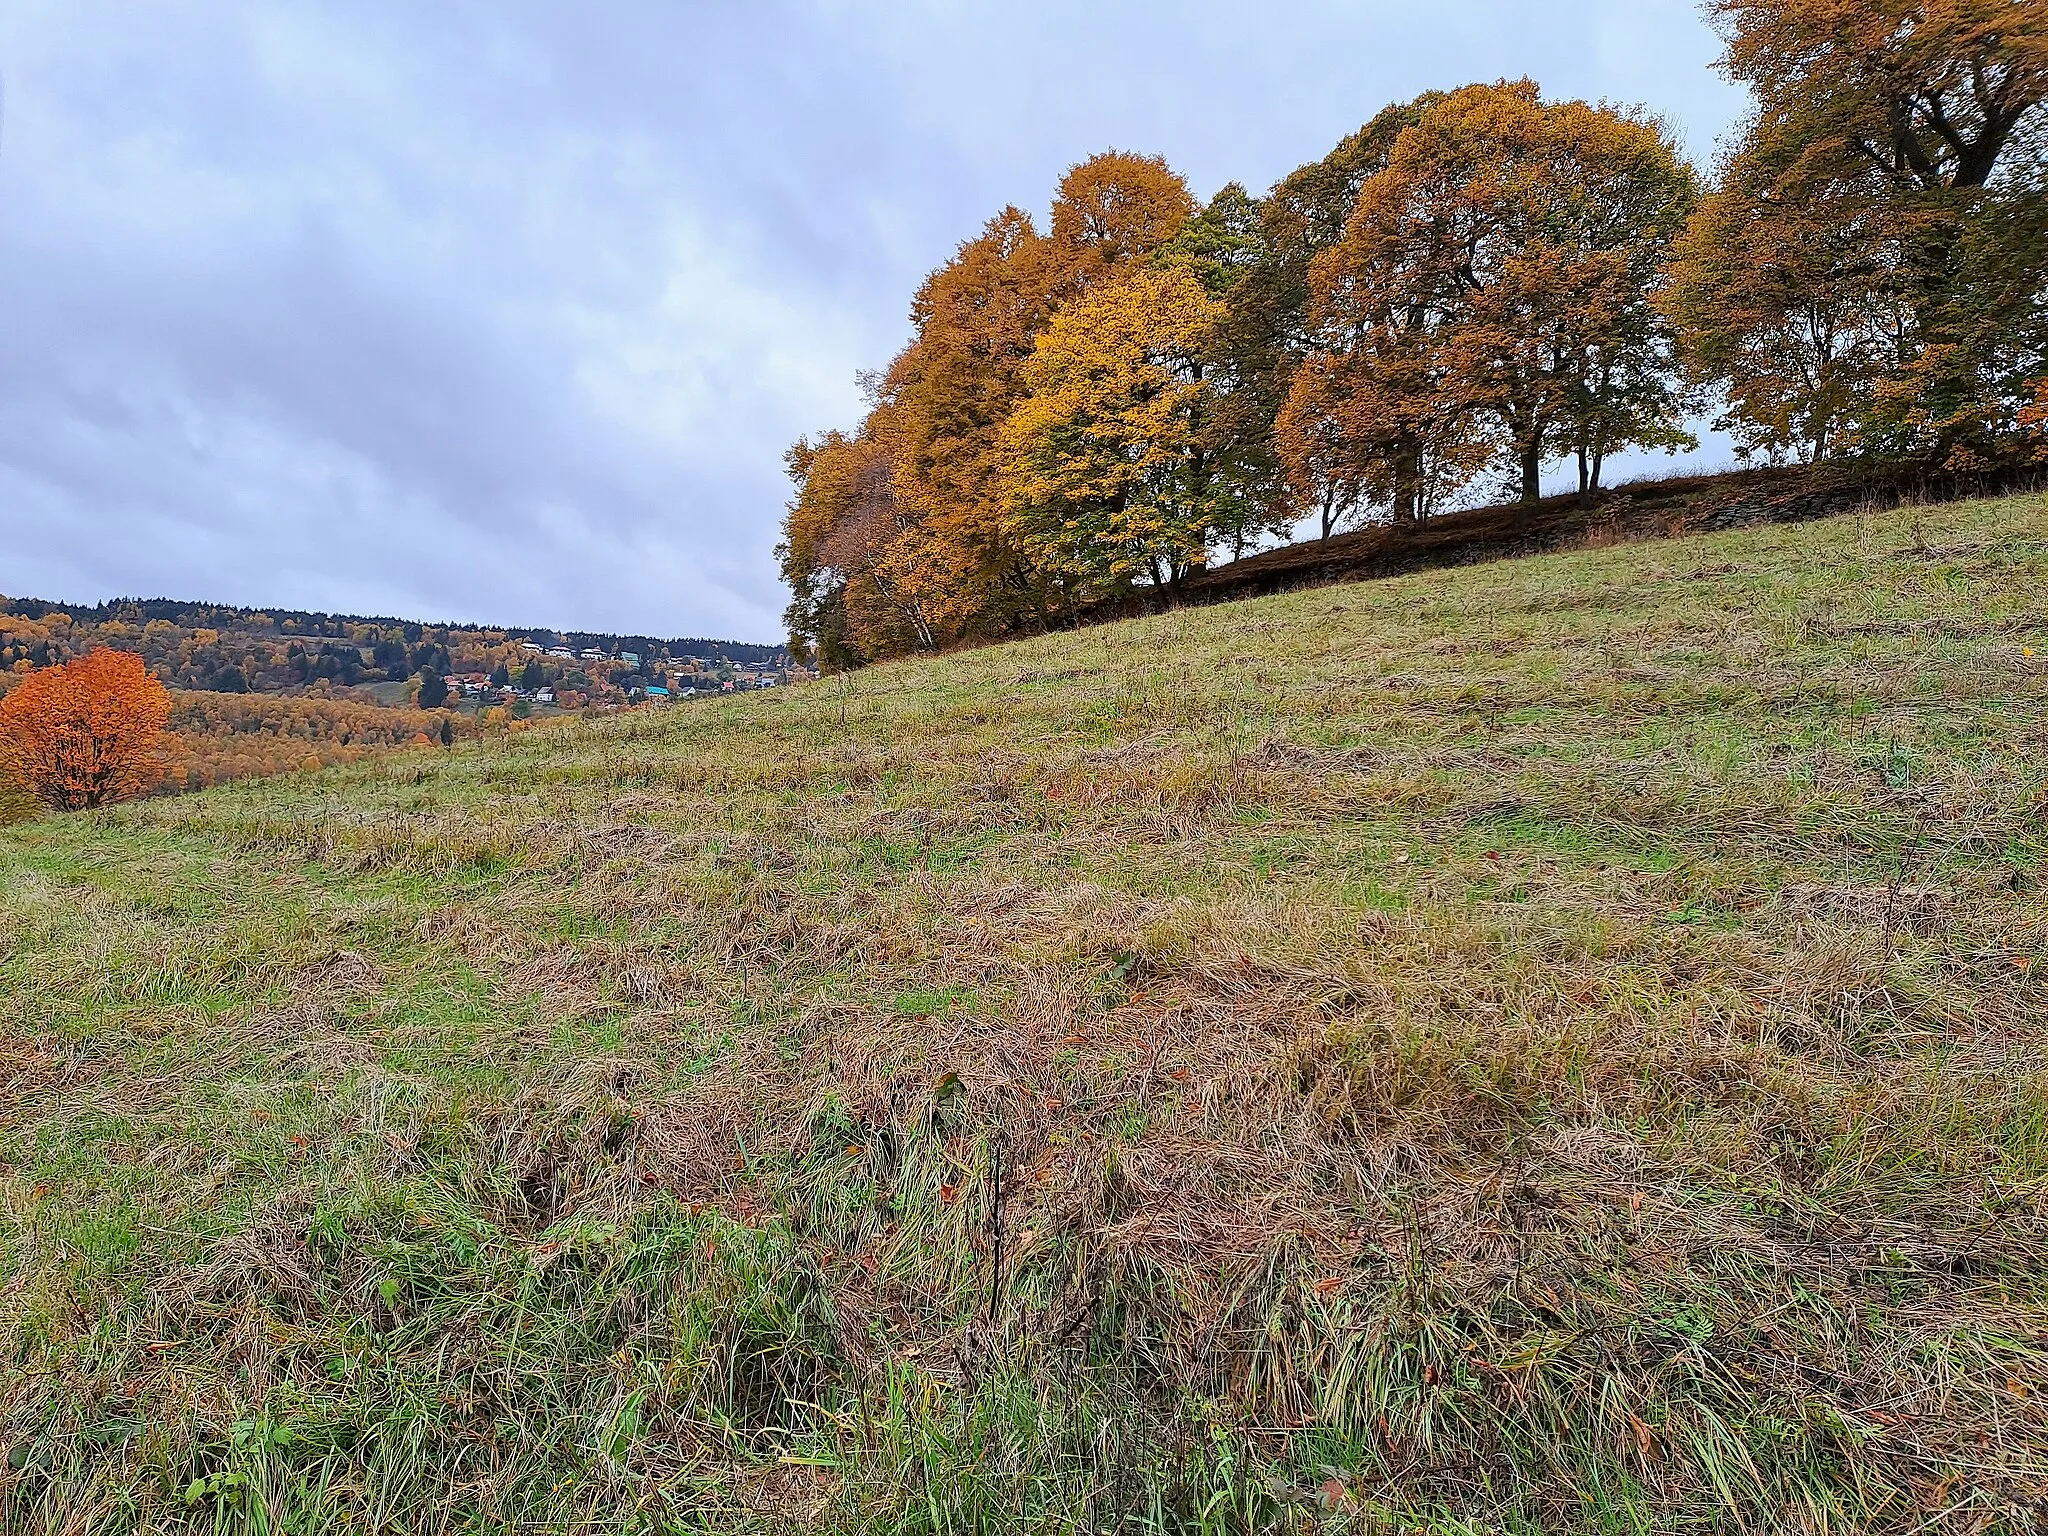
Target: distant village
{"type": "Point", "coordinates": [345, 659]}
{"type": "Point", "coordinates": [564, 678]}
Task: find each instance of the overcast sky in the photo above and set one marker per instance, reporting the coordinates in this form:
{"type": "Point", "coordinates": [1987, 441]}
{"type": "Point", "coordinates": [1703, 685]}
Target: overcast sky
{"type": "Point", "coordinates": [505, 310]}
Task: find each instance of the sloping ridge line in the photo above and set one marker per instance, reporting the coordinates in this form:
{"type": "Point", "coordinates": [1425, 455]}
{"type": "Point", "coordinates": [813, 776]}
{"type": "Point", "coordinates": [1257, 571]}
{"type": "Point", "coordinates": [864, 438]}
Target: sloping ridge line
{"type": "Point", "coordinates": [1645, 509]}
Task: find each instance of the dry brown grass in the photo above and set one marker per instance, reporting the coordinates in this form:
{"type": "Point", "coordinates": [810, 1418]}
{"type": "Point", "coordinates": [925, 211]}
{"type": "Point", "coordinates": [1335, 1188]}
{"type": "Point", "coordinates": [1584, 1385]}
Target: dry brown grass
{"type": "Point", "coordinates": [1547, 1046]}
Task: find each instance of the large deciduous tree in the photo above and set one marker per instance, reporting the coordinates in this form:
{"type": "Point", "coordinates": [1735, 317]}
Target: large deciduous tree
{"type": "Point", "coordinates": [1494, 289]}
{"type": "Point", "coordinates": [88, 732]}
{"type": "Point", "coordinates": [1793, 312]}
{"type": "Point", "coordinates": [1869, 273]}
{"type": "Point", "coordinates": [897, 538]}
{"type": "Point", "coordinates": [868, 576]}
{"type": "Point", "coordinates": [1267, 333]}
{"type": "Point", "coordinates": [1112, 469]}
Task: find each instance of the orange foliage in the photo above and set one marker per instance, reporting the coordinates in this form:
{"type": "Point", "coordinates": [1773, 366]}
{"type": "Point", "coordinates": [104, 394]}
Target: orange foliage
{"type": "Point", "coordinates": [2034, 421]}
{"type": "Point", "coordinates": [896, 540]}
{"type": "Point", "coordinates": [1492, 297]}
{"type": "Point", "coordinates": [1870, 274]}
{"type": "Point", "coordinates": [218, 737]}
{"type": "Point", "coordinates": [1476, 280]}
{"type": "Point", "coordinates": [88, 732]}
{"type": "Point", "coordinates": [1111, 209]}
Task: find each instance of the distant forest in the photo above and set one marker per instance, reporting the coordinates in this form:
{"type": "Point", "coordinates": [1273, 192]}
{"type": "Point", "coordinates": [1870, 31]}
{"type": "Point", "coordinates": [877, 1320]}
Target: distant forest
{"type": "Point", "coordinates": [143, 611]}
{"type": "Point", "coordinates": [216, 648]}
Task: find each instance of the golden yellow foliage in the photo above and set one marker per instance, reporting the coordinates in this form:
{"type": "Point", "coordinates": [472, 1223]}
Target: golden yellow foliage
{"type": "Point", "coordinates": [1105, 471]}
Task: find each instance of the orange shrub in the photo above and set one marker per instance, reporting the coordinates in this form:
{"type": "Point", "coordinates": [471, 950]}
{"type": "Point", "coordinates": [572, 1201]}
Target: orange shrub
{"type": "Point", "coordinates": [88, 732]}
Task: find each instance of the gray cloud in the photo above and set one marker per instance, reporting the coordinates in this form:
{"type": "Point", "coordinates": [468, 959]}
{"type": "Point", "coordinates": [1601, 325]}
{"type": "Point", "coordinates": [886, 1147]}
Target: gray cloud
{"type": "Point", "coordinates": [505, 309]}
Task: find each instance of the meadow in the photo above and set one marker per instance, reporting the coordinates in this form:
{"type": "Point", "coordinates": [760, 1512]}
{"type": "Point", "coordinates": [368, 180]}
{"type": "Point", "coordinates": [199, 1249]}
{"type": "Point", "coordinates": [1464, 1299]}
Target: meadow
{"type": "Point", "coordinates": [1553, 1045]}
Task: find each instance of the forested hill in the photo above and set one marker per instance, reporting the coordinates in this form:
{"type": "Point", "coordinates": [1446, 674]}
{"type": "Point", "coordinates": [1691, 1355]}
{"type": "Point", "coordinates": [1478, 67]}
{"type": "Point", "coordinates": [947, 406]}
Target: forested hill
{"type": "Point", "coordinates": [222, 648]}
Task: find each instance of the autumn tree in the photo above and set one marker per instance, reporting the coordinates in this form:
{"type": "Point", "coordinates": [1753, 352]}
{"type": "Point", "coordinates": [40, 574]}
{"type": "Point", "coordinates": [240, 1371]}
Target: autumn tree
{"type": "Point", "coordinates": [1111, 471]}
{"type": "Point", "coordinates": [858, 563]}
{"type": "Point", "coordinates": [88, 732]}
{"type": "Point", "coordinates": [1495, 287]}
{"type": "Point", "coordinates": [933, 421]}
{"type": "Point", "coordinates": [1869, 272]}
{"type": "Point", "coordinates": [1793, 311]}
{"type": "Point", "coordinates": [1110, 210]}
{"type": "Point", "coordinates": [1376, 422]}
{"type": "Point", "coordinates": [896, 538]}
{"type": "Point", "coordinates": [1268, 330]}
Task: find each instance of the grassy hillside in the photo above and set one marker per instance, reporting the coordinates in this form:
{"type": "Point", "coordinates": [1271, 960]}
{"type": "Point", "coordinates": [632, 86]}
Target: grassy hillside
{"type": "Point", "coordinates": [1554, 1045]}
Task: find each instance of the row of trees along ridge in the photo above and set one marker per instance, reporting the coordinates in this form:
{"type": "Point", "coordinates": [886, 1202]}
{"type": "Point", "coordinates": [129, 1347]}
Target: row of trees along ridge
{"type": "Point", "coordinates": [1477, 283]}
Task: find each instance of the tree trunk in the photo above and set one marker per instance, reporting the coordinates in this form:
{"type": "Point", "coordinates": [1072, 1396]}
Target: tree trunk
{"type": "Point", "coordinates": [1532, 471]}
{"type": "Point", "coordinates": [1408, 486]}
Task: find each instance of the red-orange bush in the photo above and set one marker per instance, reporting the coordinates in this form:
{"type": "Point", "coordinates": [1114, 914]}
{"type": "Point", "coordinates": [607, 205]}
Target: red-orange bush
{"type": "Point", "coordinates": [88, 732]}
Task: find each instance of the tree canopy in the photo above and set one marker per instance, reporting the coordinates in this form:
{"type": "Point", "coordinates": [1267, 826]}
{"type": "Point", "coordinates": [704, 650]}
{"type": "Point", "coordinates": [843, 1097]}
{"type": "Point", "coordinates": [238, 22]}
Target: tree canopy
{"type": "Point", "coordinates": [88, 732]}
{"type": "Point", "coordinates": [1110, 465]}
{"type": "Point", "coordinates": [1478, 286]}
{"type": "Point", "coordinates": [1869, 274]}
{"type": "Point", "coordinates": [1492, 295]}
